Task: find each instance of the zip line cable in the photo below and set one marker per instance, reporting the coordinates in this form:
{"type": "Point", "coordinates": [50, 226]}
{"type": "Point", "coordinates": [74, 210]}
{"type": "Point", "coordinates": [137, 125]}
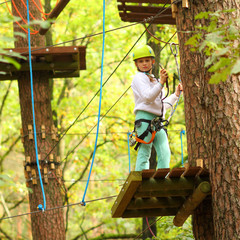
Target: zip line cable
{"type": "Point", "coordinates": [59, 207]}
{"type": "Point", "coordinates": [100, 103]}
{"type": "Point", "coordinates": [33, 111]}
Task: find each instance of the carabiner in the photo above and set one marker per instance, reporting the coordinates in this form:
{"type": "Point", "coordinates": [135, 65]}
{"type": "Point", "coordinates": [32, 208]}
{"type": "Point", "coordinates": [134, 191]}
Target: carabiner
{"type": "Point", "coordinates": [176, 51]}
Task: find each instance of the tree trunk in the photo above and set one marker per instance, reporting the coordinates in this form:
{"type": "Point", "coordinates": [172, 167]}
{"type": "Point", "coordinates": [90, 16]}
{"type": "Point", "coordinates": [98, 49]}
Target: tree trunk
{"type": "Point", "coordinates": [212, 124]}
{"type": "Point", "coordinates": [49, 224]}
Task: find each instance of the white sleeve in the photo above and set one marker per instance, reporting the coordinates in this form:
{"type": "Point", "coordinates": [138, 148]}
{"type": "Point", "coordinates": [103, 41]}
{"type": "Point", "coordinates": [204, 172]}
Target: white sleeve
{"type": "Point", "coordinates": [172, 99]}
{"type": "Point", "coordinates": [141, 86]}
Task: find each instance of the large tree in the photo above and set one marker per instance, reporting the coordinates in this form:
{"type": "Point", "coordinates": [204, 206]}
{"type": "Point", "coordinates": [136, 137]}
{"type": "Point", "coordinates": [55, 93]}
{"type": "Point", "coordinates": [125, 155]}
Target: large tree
{"type": "Point", "coordinates": [212, 124]}
{"type": "Point", "coordinates": [50, 224]}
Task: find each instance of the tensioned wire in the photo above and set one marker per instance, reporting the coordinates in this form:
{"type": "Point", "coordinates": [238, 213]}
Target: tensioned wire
{"type": "Point", "coordinates": [59, 207]}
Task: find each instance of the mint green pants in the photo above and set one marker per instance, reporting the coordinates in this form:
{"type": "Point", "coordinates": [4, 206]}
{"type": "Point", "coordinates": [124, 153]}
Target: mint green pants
{"type": "Point", "coordinates": [160, 144]}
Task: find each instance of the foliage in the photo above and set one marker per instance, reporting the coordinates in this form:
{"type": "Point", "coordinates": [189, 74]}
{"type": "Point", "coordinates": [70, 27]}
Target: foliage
{"type": "Point", "coordinates": [6, 56]}
{"type": "Point", "coordinates": [220, 42]}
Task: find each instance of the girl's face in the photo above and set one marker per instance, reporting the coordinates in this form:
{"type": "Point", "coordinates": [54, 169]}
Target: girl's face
{"type": "Point", "coordinates": [144, 64]}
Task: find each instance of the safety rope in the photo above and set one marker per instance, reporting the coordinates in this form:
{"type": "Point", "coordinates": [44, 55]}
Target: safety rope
{"type": "Point", "coordinates": [154, 35]}
{"type": "Point", "coordinates": [26, 31]}
{"type": "Point", "coordinates": [33, 111]}
{"type": "Point", "coordinates": [99, 109]}
{"type": "Point", "coordinates": [150, 228]}
{"type": "Point", "coordinates": [147, 228]}
{"type": "Point", "coordinates": [181, 133]}
{"type": "Point", "coordinates": [129, 158]}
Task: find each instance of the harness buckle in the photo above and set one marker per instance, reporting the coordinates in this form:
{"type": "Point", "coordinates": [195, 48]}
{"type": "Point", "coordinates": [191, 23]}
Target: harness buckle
{"type": "Point", "coordinates": [158, 123]}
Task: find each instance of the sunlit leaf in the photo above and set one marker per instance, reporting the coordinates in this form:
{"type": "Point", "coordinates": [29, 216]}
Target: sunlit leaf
{"type": "Point", "coordinates": [236, 67]}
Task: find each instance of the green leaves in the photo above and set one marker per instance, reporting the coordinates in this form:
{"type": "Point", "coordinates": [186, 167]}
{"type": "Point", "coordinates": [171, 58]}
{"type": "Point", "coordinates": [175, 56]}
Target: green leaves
{"type": "Point", "coordinates": [218, 41]}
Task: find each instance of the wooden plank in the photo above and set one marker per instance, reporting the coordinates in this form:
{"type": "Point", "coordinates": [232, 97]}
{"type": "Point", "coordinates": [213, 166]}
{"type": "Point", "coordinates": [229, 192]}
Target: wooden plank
{"type": "Point", "coordinates": [164, 193]}
{"type": "Point", "coordinates": [51, 74]}
{"type": "Point", "coordinates": [167, 202]}
{"type": "Point", "coordinates": [161, 173]}
{"type": "Point", "coordinates": [191, 171]}
{"type": "Point", "coordinates": [147, 173]}
{"type": "Point", "coordinates": [126, 194]}
{"type": "Point", "coordinates": [48, 50]}
{"type": "Point", "coordinates": [191, 203]}
{"type": "Point", "coordinates": [145, 1]}
{"type": "Point", "coordinates": [153, 184]}
{"type": "Point", "coordinates": [144, 9]}
{"type": "Point", "coordinates": [133, 17]}
{"type": "Point", "coordinates": [150, 212]}
{"type": "Point", "coordinates": [38, 66]}
{"type": "Point", "coordinates": [176, 172]}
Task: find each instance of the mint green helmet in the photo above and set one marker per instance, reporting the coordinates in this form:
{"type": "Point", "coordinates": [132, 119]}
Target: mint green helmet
{"type": "Point", "coordinates": [143, 51]}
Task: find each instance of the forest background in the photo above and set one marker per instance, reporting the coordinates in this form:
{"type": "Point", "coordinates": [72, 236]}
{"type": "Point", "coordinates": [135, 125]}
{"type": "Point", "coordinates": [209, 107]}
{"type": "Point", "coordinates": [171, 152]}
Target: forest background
{"type": "Point", "coordinates": [70, 95]}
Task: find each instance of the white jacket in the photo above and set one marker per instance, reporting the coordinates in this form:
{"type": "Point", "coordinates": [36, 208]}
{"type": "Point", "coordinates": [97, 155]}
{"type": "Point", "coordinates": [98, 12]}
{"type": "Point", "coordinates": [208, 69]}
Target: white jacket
{"type": "Point", "coordinates": [148, 95]}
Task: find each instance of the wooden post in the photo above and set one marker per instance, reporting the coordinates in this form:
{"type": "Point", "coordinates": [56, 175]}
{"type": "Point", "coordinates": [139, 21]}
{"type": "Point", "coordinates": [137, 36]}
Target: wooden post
{"type": "Point", "coordinates": [191, 203]}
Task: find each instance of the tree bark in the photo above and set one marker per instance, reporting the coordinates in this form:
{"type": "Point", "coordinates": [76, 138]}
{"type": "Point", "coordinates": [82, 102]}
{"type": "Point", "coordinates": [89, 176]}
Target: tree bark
{"type": "Point", "coordinates": [212, 124]}
{"type": "Point", "coordinates": [49, 224]}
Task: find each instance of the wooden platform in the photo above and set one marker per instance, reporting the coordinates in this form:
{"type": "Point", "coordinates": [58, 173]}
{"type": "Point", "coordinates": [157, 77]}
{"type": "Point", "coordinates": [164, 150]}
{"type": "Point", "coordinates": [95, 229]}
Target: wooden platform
{"type": "Point", "coordinates": [158, 193]}
{"type": "Point", "coordinates": [57, 61]}
{"type": "Point", "coordinates": [138, 10]}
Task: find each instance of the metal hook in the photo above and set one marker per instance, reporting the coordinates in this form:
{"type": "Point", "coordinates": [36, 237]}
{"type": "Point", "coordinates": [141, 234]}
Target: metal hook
{"type": "Point", "coordinates": [176, 51]}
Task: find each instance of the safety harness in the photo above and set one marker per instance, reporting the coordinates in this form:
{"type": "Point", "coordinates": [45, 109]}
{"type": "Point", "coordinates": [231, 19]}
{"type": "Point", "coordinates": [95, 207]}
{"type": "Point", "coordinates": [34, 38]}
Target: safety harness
{"type": "Point", "coordinates": [154, 126]}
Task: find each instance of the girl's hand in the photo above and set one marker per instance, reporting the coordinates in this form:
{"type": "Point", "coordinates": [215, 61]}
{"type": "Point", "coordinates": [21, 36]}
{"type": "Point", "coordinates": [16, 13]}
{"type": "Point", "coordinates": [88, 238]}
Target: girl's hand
{"type": "Point", "coordinates": [179, 88]}
{"type": "Point", "coordinates": [163, 76]}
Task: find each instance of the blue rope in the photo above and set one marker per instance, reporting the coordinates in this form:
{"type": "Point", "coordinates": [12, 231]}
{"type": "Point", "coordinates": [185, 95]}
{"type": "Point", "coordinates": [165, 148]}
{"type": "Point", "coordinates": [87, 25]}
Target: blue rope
{"type": "Point", "coordinates": [99, 109]}
{"type": "Point", "coordinates": [128, 134]}
{"type": "Point", "coordinates": [33, 112]}
{"type": "Point", "coordinates": [181, 133]}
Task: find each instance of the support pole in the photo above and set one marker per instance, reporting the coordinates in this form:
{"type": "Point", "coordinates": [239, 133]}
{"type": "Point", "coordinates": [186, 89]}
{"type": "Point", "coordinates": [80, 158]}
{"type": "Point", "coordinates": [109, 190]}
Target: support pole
{"type": "Point", "coordinates": [191, 203]}
{"type": "Point", "coordinates": [54, 14]}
